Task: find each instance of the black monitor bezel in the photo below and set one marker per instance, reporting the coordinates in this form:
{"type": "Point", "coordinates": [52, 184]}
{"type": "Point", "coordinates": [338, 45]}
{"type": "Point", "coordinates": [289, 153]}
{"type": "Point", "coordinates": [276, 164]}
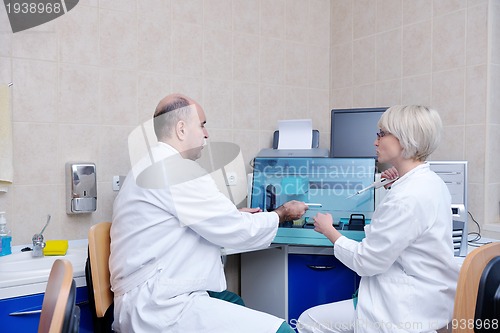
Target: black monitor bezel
{"type": "Point", "coordinates": [351, 110]}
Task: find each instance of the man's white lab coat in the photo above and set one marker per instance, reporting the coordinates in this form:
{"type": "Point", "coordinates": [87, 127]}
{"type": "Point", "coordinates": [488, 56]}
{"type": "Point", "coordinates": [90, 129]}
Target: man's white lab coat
{"type": "Point", "coordinates": [406, 261]}
{"type": "Point", "coordinates": [166, 250]}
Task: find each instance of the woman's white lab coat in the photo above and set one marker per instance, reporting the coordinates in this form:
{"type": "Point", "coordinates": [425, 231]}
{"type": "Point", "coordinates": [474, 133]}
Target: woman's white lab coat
{"type": "Point", "coordinates": [166, 251]}
{"type": "Point", "coordinates": [406, 261]}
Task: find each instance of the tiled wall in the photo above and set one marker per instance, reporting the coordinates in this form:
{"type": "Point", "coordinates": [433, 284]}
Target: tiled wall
{"type": "Point", "coordinates": [84, 81]}
{"type": "Point", "coordinates": [441, 53]}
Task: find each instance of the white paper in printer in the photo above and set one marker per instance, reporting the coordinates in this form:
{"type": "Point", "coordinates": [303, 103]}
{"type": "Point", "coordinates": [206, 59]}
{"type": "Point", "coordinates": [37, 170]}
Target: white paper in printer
{"type": "Point", "coordinates": [295, 134]}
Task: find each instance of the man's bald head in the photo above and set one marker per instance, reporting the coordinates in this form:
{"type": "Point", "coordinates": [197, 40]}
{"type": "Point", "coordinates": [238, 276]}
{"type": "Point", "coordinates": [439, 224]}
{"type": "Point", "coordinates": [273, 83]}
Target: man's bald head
{"type": "Point", "coordinates": [170, 110]}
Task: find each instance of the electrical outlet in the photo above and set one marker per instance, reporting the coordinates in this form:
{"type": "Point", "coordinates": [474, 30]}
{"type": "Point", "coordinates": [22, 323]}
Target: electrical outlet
{"type": "Point", "coordinates": [232, 178]}
{"type": "Point", "coordinates": [117, 182]}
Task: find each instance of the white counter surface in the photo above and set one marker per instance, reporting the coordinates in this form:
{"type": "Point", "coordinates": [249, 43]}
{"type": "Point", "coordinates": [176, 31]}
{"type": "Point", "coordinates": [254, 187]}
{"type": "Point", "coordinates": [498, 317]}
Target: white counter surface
{"type": "Point", "coordinates": [21, 274]}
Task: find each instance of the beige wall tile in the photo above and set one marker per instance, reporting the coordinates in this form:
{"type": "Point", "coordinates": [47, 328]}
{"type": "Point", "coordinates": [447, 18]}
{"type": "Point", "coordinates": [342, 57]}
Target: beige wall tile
{"type": "Point", "coordinates": [122, 5]}
{"type": "Point", "coordinates": [246, 16]}
{"type": "Point", "coordinates": [441, 7]}
{"type": "Point", "coordinates": [34, 90]}
{"type": "Point", "coordinates": [246, 58]}
{"type": "Point", "coordinates": [477, 35]}
{"type": "Point", "coordinates": [341, 64]}
{"type": "Point", "coordinates": [118, 39]}
{"type": "Point", "coordinates": [5, 70]}
{"type": "Point", "coordinates": [189, 11]}
{"type": "Point", "coordinates": [192, 87]}
{"type": "Point", "coordinates": [187, 49]}
{"type": "Point", "coordinates": [38, 43]}
{"type": "Point", "coordinates": [218, 103]}
{"type": "Point", "coordinates": [319, 109]}
{"type": "Point", "coordinates": [296, 103]}
{"type": "Point", "coordinates": [476, 94]}
{"type": "Point", "coordinates": [415, 11]}
{"type": "Point", "coordinates": [388, 93]}
{"type": "Point", "coordinates": [475, 144]}
{"type": "Point", "coordinates": [493, 153]}
{"type": "Point", "coordinates": [5, 34]}
{"type": "Point", "coordinates": [217, 54]}
{"type": "Point", "coordinates": [296, 20]}
{"type": "Point", "coordinates": [272, 106]}
{"type": "Point", "coordinates": [114, 156]}
{"type": "Point", "coordinates": [494, 96]}
{"type": "Point", "coordinates": [494, 16]}
{"type": "Point", "coordinates": [217, 14]}
{"type": "Point", "coordinates": [447, 96]}
{"type": "Point", "coordinates": [272, 61]}
{"type": "Point", "coordinates": [272, 18]}
{"type": "Point", "coordinates": [363, 96]}
{"type": "Point", "coordinates": [448, 41]}
{"type": "Point", "coordinates": [389, 14]}
{"type": "Point", "coordinates": [246, 106]}
{"type": "Point", "coordinates": [154, 43]}
{"type": "Point", "coordinates": [342, 98]}
{"type": "Point", "coordinates": [417, 48]}
{"type": "Point", "coordinates": [363, 64]}
{"type": "Point", "coordinates": [318, 32]}
{"type": "Point", "coordinates": [492, 214]}
{"type": "Point", "coordinates": [318, 59]}
{"type": "Point", "coordinates": [296, 61]}
{"type": "Point", "coordinates": [388, 48]}
{"type": "Point", "coordinates": [417, 90]}
{"type": "Point", "coordinates": [118, 98]}
{"type": "Point", "coordinates": [27, 219]}
{"type": "Point", "coordinates": [341, 21]}
{"type": "Point", "coordinates": [35, 148]}
{"type": "Point", "coordinates": [452, 143]}
{"type": "Point", "coordinates": [151, 88]}
{"type": "Point", "coordinates": [79, 36]}
{"type": "Point", "coordinates": [475, 204]}
{"type": "Point", "coordinates": [78, 98]}
{"type": "Point", "coordinates": [364, 13]}
{"type": "Point", "coordinates": [249, 145]}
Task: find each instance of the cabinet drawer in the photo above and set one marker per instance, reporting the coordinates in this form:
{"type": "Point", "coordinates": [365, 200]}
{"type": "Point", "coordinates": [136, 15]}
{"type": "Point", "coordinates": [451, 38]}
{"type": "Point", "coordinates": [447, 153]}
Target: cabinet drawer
{"type": "Point", "coordinates": [28, 315]}
{"type": "Point", "coordinates": [315, 280]}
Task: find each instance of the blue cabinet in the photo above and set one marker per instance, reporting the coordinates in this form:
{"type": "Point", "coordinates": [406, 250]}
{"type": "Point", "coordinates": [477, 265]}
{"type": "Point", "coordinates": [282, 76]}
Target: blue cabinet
{"type": "Point", "coordinates": [315, 280]}
{"type": "Point", "coordinates": [286, 280]}
{"type": "Point", "coordinates": [22, 314]}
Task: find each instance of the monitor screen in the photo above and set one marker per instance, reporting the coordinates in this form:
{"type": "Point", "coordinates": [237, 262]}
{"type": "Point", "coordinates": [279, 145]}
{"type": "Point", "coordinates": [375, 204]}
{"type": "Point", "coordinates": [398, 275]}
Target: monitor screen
{"type": "Point", "coordinates": [353, 132]}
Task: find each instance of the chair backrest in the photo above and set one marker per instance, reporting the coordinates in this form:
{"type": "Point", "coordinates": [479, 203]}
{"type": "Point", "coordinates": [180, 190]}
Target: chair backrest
{"type": "Point", "coordinates": [99, 249]}
{"type": "Point", "coordinates": [468, 285]}
{"type": "Point", "coordinates": [59, 312]}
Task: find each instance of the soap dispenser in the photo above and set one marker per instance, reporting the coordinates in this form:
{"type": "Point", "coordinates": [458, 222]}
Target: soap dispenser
{"type": "Point", "coordinates": [5, 236]}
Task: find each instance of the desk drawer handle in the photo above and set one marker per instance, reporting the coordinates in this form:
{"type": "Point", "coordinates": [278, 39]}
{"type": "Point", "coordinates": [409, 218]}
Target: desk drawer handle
{"type": "Point", "coordinates": [320, 267]}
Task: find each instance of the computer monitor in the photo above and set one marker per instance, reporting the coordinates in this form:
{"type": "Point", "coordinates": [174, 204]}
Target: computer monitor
{"type": "Point", "coordinates": [353, 132]}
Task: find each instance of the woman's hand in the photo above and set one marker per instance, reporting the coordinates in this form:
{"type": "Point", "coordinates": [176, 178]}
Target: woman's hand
{"type": "Point", "coordinates": [323, 223]}
{"type": "Point", "coordinates": [390, 174]}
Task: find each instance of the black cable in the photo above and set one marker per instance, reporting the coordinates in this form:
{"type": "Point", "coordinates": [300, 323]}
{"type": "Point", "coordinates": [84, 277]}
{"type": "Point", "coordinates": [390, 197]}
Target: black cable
{"type": "Point", "coordinates": [475, 242]}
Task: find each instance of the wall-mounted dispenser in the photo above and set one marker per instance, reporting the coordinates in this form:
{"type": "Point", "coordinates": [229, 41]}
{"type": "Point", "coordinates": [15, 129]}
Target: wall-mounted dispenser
{"type": "Point", "coordinates": [81, 188]}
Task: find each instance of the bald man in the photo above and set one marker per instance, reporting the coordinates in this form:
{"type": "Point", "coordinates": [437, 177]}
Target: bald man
{"type": "Point", "coordinates": [169, 224]}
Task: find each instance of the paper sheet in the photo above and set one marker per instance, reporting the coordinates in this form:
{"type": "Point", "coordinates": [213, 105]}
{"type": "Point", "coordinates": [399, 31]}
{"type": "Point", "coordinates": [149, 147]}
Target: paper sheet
{"type": "Point", "coordinates": [295, 134]}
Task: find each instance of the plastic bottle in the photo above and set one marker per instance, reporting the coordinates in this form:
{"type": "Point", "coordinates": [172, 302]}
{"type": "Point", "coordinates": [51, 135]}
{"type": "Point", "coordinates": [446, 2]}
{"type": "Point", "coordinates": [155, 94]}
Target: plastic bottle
{"type": "Point", "coordinates": [5, 236]}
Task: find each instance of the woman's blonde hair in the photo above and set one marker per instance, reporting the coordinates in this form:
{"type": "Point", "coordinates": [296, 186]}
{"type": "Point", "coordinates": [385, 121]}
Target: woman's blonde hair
{"type": "Point", "coordinates": [418, 129]}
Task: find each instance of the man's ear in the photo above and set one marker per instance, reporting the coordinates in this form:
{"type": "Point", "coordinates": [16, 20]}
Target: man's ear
{"type": "Point", "coordinates": [180, 129]}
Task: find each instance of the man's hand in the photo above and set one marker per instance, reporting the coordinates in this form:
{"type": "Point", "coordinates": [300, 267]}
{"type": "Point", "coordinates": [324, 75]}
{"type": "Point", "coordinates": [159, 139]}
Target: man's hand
{"type": "Point", "coordinates": [250, 210]}
{"type": "Point", "coordinates": [291, 210]}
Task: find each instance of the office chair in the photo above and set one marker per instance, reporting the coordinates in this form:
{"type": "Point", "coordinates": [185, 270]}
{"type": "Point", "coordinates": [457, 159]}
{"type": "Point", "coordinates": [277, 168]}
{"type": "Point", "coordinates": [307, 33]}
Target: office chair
{"type": "Point", "coordinates": [98, 277]}
{"type": "Point", "coordinates": [471, 281]}
{"type": "Point", "coordinates": [59, 312]}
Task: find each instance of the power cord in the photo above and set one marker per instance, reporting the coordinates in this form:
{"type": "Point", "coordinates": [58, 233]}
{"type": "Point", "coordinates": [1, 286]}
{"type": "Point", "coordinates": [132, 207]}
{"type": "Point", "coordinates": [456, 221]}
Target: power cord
{"type": "Point", "coordinates": [475, 242]}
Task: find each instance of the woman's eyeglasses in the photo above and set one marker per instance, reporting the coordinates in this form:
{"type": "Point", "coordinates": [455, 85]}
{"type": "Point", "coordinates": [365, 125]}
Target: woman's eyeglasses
{"type": "Point", "coordinates": [381, 134]}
